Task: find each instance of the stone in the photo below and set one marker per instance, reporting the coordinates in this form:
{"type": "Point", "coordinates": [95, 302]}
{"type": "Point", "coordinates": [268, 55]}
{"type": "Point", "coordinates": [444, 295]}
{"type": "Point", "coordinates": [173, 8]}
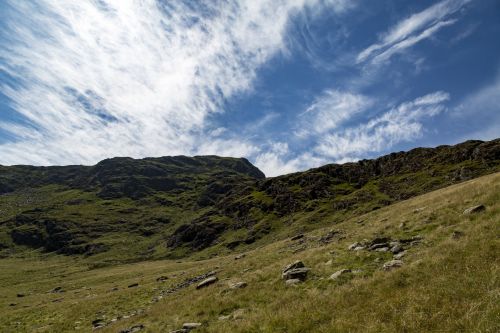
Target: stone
{"type": "Point", "coordinates": [207, 282]}
{"type": "Point", "coordinates": [399, 255]}
{"type": "Point", "coordinates": [392, 264]}
{"type": "Point", "coordinates": [379, 246]}
{"type": "Point", "coordinates": [359, 248]}
{"type": "Point", "coordinates": [339, 273]}
{"type": "Point", "coordinates": [474, 209]}
{"type": "Point", "coordinates": [133, 285]}
{"type": "Point", "coordinates": [133, 329]}
{"type": "Point", "coordinates": [296, 237]}
{"type": "Point", "coordinates": [238, 285]}
{"type": "Point", "coordinates": [225, 317]}
{"type": "Point", "coordinates": [182, 330]}
{"type": "Point", "coordinates": [57, 290]}
{"type": "Point", "coordinates": [295, 264]}
{"type": "Point", "coordinates": [240, 256]}
{"type": "Point", "coordinates": [329, 262]}
{"type": "Point", "coordinates": [292, 282]}
{"type": "Point", "coordinates": [295, 273]}
{"type": "Point", "coordinates": [238, 314]}
{"type": "Point", "coordinates": [457, 234]}
{"type": "Point", "coordinates": [162, 278]}
{"type": "Point", "coordinates": [190, 326]}
{"type": "Point", "coordinates": [98, 323]}
{"type": "Point", "coordinates": [396, 249]}
{"type": "Point", "coordinates": [382, 249]}
{"type": "Point", "coordinates": [353, 246]}
{"type": "Point", "coordinates": [20, 295]}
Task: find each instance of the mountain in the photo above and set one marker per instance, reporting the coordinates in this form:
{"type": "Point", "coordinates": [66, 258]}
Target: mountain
{"type": "Point", "coordinates": [124, 209]}
{"type": "Point", "coordinates": [426, 264]}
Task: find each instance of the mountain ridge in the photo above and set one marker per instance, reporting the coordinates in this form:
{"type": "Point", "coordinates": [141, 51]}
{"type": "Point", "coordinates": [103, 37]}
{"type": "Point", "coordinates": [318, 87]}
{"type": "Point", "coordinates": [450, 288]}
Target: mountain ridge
{"type": "Point", "coordinates": [208, 205]}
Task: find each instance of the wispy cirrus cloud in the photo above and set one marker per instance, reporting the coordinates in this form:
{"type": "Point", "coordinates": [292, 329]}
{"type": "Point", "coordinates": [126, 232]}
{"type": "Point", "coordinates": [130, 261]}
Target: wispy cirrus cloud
{"type": "Point", "coordinates": [412, 30]}
{"type": "Point", "coordinates": [329, 110]}
{"type": "Point", "coordinates": [95, 79]}
{"type": "Point", "coordinates": [399, 124]}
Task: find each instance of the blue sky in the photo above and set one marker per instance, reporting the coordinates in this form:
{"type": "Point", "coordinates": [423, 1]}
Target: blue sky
{"type": "Point", "coordinates": [288, 84]}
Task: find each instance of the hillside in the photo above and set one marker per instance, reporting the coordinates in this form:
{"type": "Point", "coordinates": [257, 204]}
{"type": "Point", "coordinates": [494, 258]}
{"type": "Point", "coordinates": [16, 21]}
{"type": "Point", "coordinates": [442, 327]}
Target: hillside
{"type": "Point", "coordinates": [124, 210]}
{"type": "Point", "coordinates": [445, 278]}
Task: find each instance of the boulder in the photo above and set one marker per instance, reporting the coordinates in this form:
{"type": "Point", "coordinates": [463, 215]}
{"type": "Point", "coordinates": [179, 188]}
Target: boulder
{"type": "Point", "coordinates": [474, 209]}
{"type": "Point", "coordinates": [292, 282]}
{"type": "Point", "coordinates": [207, 282]}
{"type": "Point", "coordinates": [399, 255]}
{"type": "Point", "coordinates": [392, 264]}
{"type": "Point", "coordinates": [396, 249]}
{"type": "Point", "coordinates": [339, 273]}
{"type": "Point", "coordinates": [295, 270]}
{"type": "Point", "coordinates": [297, 273]}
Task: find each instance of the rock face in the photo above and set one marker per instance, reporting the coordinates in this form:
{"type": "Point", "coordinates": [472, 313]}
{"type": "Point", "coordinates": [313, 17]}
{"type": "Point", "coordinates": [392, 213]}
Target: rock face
{"type": "Point", "coordinates": [474, 209]}
{"type": "Point", "coordinates": [207, 282]}
{"type": "Point", "coordinates": [295, 270]}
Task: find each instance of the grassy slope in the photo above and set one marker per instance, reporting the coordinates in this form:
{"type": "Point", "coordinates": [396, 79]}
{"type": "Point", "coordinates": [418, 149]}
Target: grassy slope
{"type": "Point", "coordinates": [445, 285]}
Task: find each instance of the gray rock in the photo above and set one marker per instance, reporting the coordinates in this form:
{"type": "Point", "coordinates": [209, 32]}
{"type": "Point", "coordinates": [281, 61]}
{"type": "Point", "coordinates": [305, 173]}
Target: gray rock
{"type": "Point", "coordinates": [399, 255]}
{"type": "Point", "coordinates": [207, 282]}
{"type": "Point", "coordinates": [190, 326]}
{"type": "Point", "coordinates": [295, 264]}
{"type": "Point", "coordinates": [133, 329]}
{"type": "Point", "coordinates": [382, 249]}
{"type": "Point", "coordinates": [353, 246]}
{"type": "Point", "coordinates": [392, 264]}
{"type": "Point", "coordinates": [292, 282]}
{"type": "Point", "coordinates": [240, 256]}
{"type": "Point", "coordinates": [296, 237]}
{"type": "Point", "coordinates": [296, 273]}
{"type": "Point", "coordinates": [337, 274]}
{"type": "Point", "coordinates": [379, 246]}
{"type": "Point", "coordinates": [396, 249]}
{"type": "Point", "coordinates": [238, 285]}
{"type": "Point", "coordinates": [474, 209]}
{"type": "Point", "coordinates": [359, 248]}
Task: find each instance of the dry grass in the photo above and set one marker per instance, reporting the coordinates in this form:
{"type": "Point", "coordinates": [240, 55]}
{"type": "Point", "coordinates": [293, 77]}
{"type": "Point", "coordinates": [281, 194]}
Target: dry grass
{"type": "Point", "coordinates": [446, 284]}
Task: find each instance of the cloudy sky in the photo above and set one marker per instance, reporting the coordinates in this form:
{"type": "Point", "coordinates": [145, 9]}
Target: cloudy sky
{"type": "Point", "coordinates": [289, 84]}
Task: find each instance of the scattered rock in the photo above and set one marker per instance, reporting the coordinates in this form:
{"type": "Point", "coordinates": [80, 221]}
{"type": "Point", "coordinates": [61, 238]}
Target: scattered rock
{"type": "Point", "coordinates": [295, 270]}
{"type": "Point", "coordinates": [98, 323]}
{"type": "Point", "coordinates": [297, 237]}
{"type": "Point", "coordinates": [133, 285]}
{"type": "Point", "coordinates": [328, 237]}
{"type": "Point", "coordinates": [337, 274]}
{"type": "Point", "coordinates": [353, 246]}
{"type": "Point", "coordinates": [396, 248]}
{"type": "Point", "coordinates": [292, 282]}
{"type": "Point", "coordinates": [162, 278]}
{"type": "Point", "coordinates": [190, 326]}
{"type": "Point", "coordinates": [188, 282]}
{"type": "Point", "coordinates": [57, 290]}
{"type": "Point", "coordinates": [382, 249]}
{"type": "Point", "coordinates": [133, 329]}
{"type": "Point", "coordinates": [474, 209]}
{"type": "Point", "coordinates": [207, 282]}
{"type": "Point", "coordinates": [225, 317]}
{"type": "Point", "coordinates": [238, 285]}
{"type": "Point", "coordinates": [240, 256]}
{"type": "Point", "coordinates": [392, 264]}
{"type": "Point", "coordinates": [399, 255]}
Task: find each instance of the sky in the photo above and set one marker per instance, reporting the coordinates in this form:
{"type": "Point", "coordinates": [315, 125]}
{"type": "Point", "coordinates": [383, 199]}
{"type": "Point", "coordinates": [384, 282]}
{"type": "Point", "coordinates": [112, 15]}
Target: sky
{"type": "Point", "coordinates": [288, 84]}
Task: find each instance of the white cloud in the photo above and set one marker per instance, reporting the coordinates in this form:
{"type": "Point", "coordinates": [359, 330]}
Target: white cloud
{"type": "Point", "coordinates": [400, 124]}
{"type": "Point", "coordinates": [329, 110]}
{"type": "Point", "coordinates": [276, 160]}
{"type": "Point", "coordinates": [131, 78]}
{"type": "Point", "coordinates": [412, 30]}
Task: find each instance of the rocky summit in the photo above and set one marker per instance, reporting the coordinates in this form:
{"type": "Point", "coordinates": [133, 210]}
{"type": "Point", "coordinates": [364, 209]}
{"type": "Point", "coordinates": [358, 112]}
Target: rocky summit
{"type": "Point", "coordinates": [402, 243]}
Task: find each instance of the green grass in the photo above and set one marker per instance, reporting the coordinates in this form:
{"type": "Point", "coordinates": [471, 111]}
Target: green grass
{"type": "Point", "coordinates": [446, 284]}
